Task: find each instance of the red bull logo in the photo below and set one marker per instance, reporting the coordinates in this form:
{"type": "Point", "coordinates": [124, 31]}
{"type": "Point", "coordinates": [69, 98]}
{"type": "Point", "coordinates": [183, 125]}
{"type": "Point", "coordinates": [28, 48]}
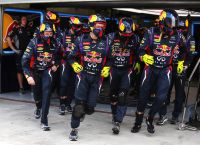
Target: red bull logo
{"type": "Point", "coordinates": [121, 52]}
{"type": "Point", "coordinates": [93, 56]}
{"type": "Point", "coordinates": [51, 15]}
{"type": "Point", "coordinates": [44, 57]}
{"type": "Point", "coordinates": [8, 25]}
{"type": "Point", "coordinates": [75, 20]}
{"type": "Point", "coordinates": [163, 50]}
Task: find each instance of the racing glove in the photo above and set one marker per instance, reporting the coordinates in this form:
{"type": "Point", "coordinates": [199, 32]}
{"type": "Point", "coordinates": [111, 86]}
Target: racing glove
{"type": "Point", "coordinates": [137, 67]}
{"type": "Point", "coordinates": [180, 67]}
{"type": "Point", "coordinates": [148, 59]}
{"type": "Point", "coordinates": [77, 67]}
{"type": "Point", "coordinates": [105, 71]}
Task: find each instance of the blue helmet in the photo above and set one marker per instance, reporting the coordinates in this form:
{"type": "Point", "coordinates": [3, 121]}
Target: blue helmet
{"type": "Point", "coordinates": [126, 26]}
{"type": "Point", "coordinates": [168, 20]}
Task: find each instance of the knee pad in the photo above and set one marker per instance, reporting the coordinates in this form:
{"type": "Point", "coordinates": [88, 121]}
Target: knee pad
{"type": "Point", "coordinates": [79, 109]}
{"type": "Point", "coordinates": [89, 110]}
{"type": "Point", "coordinates": [122, 97]}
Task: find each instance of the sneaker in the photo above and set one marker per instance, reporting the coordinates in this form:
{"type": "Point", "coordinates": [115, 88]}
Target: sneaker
{"type": "Point", "coordinates": [174, 120]}
{"type": "Point", "coordinates": [116, 128]}
{"type": "Point", "coordinates": [136, 128]}
{"type": "Point", "coordinates": [21, 91]}
{"type": "Point", "coordinates": [150, 126]}
{"type": "Point", "coordinates": [138, 122]}
{"type": "Point", "coordinates": [62, 110]}
{"type": "Point", "coordinates": [69, 109]}
{"type": "Point", "coordinates": [73, 136]}
{"type": "Point", "coordinates": [45, 127]}
{"type": "Point", "coordinates": [162, 120]}
{"type": "Point", "coordinates": [37, 113]}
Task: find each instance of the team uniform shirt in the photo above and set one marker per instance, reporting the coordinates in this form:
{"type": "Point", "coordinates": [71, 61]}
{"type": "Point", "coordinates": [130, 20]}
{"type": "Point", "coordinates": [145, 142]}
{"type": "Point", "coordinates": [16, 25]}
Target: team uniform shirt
{"type": "Point", "coordinates": [45, 55]}
{"type": "Point", "coordinates": [163, 47]}
{"type": "Point", "coordinates": [92, 53]}
{"type": "Point", "coordinates": [123, 52]}
{"type": "Point", "coordinates": [23, 35]}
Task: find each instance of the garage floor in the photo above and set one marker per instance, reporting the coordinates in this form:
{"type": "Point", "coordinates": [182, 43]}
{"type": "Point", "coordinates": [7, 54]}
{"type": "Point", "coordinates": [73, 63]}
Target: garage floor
{"type": "Point", "coordinates": [18, 127]}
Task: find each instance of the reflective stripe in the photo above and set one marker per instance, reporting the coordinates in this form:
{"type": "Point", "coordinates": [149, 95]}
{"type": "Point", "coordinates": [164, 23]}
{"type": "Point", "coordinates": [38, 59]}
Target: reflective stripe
{"type": "Point", "coordinates": [50, 74]}
{"type": "Point", "coordinates": [63, 68]}
{"type": "Point", "coordinates": [168, 76]}
{"type": "Point", "coordinates": [110, 77]}
{"type": "Point", "coordinates": [100, 88]}
{"type": "Point", "coordinates": [145, 76]}
{"type": "Point", "coordinates": [79, 79]}
{"type": "Point", "coordinates": [129, 78]}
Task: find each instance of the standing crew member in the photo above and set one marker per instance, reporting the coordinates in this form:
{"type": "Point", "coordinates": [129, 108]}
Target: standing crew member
{"type": "Point", "coordinates": [178, 79]}
{"type": "Point", "coordinates": [21, 36]}
{"type": "Point", "coordinates": [124, 45]}
{"type": "Point", "coordinates": [156, 51]}
{"type": "Point", "coordinates": [68, 76]}
{"type": "Point", "coordinates": [44, 48]}
{"type": "Point", "coordinates": [92, 49]}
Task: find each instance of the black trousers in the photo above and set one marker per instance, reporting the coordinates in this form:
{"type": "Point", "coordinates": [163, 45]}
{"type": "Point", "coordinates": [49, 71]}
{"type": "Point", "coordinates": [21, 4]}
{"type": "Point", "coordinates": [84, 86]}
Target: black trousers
{"type": "Point", "coordinates": [42, 91]}
{"type": "Point", "coordinates": [161, 79]}
{"type": "Point", "coordinates": [179, 82]}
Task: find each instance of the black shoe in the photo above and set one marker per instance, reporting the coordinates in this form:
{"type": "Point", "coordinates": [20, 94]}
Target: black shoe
{"type": "Point", "coordinates": [116, 128]}
{"type": "Point", "coordinates": [37, 113]}
{"type": "Point", "coordinates": [73, 136]}
{"type": "Point", "coordinates": [162, 120]}
{"type": "Point", "coordinates": [138, 121]}
{"type": "Point", "coordinates": [150, 126]}
{"type": "Point", "coordinates": [62, 110]}
{"type": "Point", "coordinates": [136, 128]}
{"type": "Point", "coordinates": [174, 120]}
{"type": "Point", "coordinates": [69, 109]}
{"type": "Point", "coordinates": [45, 127]}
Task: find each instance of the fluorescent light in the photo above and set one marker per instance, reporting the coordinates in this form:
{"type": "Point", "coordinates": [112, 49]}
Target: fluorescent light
{"type": "Point", "coordinates": [181, 12]}
{"type": "Point", "coordinates": [136, 11]}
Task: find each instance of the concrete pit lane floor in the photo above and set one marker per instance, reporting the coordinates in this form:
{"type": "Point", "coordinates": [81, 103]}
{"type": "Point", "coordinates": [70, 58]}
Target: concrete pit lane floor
{"type": "Point", "coordinates": [19, 127]}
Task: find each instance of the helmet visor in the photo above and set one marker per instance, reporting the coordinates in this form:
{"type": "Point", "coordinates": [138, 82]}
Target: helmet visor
{"type": "Point", "coordinates": [170, 21]}
{"type": "Point", "coordinates": [100, 25]}
{"type": "Point", "coordinates": [77, 27]}
{"type": "Point", "coordinates": [48, 33]}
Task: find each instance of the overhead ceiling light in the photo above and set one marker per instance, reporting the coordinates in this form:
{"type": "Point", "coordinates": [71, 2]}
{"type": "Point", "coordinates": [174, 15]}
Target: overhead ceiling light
{"type": "Point", "coordinates": [136, 11]}
{"type": "Point", "coordinates": [181, 12]}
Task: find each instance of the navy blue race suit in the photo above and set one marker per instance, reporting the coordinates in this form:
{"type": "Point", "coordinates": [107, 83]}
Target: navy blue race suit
{"type": "Point", "coordinates": [59, 37]}
{"type": "Point", "coordinates": [22, 36]}
{"type": "Point", "coordinates": [45, 56]}
{"type": "Point", "coordinates": [162, 47]}
{"type": "Point", "coordinates": [68, 76]}
{"type": "Point", "coordinates": [179, 79]}
{"type": "Point", "coordinates": [122, 55]}
{"type": "Point", "coordinates": [92, 56]}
